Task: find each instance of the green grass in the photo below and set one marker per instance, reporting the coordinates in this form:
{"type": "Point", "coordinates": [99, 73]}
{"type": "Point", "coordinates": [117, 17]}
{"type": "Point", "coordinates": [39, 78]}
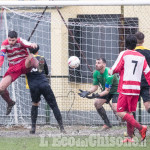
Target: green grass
{"type": "Point", "coordinates": [36, 143]}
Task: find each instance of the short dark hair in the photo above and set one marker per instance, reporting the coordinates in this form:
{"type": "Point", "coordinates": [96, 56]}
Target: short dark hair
{"type": "Point", "coordinates": [140, 37]}
{"type": "Point", "coordinates": [131, 42]}
{"type": "Point", "coordinates": [12, 34]}
{"type": "Point", "coordinates": [34, 50]}
{"type": "Point", "coordinates": [103, 59]}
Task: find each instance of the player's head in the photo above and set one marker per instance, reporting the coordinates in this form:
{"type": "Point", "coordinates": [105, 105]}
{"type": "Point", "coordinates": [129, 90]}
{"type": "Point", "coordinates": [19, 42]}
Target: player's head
{"type": "Point", "coordinates": [34, 50]}
{"type": "Point", "coordinates": [12, 37]}
{"type": "Point", "coordinates": [140, 37]}
{"type": "Point", "coordinates": [131, 42]}
{"type": "Point", "coordinates": [100, 63]}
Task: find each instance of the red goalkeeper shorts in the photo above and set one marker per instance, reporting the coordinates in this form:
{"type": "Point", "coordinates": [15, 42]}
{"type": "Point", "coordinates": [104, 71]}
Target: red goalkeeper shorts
{"type": "Point", "coordinates": [127, 103]}
{"type": "Point", "coordinates": [16, 70]}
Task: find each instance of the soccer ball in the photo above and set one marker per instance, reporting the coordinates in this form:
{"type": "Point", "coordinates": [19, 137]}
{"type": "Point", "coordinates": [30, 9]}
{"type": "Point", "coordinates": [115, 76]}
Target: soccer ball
{"type": "Point", "coordinates": [73, 62]}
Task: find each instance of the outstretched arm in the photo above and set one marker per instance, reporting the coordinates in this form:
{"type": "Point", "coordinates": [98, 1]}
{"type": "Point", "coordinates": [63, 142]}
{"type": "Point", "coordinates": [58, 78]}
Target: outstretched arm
{"type": "Point", "coordinates": [27, 44]}
{"type": "Point", "coordinates": [117, 65]}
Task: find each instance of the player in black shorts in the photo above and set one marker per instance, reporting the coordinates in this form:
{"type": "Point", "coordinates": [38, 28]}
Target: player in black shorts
{"type": "Point", "coordinates": [145, 88]}
{"type": "Point", "coordinates": [39, 85]}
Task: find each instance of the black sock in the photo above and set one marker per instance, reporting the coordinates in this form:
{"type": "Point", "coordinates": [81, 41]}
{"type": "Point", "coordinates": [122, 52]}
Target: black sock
{"type": "Point", "coordinates": [34, 114]}
{"type": "Point", "coordinates": [58, 117]}
{"type": "Point", "coordinates": [101, 111]}
{"type": "Point", "coordinates": [148, 110]}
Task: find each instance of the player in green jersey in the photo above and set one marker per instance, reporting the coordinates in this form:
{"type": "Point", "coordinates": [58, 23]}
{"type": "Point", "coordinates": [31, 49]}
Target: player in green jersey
{"type": "Point", "coordinates": [108, 84]}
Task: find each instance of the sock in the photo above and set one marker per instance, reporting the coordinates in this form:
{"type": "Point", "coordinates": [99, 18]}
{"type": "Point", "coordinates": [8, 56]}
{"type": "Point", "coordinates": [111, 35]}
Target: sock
{"type": "Point", "coordinates": [129, 119]}
{"type": "Point", "coordinates": [34, 62]}
{"type": "Point", "coordinates": [51, 101]}
{"type": "Point", "coordinates": [58, 117]}
{"type": "Point", "coordinates": [101, 111]}
{"type": "Point", "coordinates": [34, 114]}
{"type": "Point", "coordinates": [6, 97]}
{"type": "Point", "coordinates": [130, 129]}
{"type": "Point", "coordinates": [148, 110]}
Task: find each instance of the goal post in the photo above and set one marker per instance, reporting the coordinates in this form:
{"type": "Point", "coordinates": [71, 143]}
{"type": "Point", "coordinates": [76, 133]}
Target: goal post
{"type": "Point", "coordinates": [86, 29]}
{"type": "Point", "coordinates": [76, 3]}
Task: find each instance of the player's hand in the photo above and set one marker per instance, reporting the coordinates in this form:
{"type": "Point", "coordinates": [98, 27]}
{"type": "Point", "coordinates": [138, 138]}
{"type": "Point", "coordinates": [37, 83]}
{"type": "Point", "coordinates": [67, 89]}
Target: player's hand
{"type": "Point", "coordinates": [33, 45]}
{"type": "Point", "coordinates": [94, 95]}
{"type": "Point", "coordinates": [84, 93]}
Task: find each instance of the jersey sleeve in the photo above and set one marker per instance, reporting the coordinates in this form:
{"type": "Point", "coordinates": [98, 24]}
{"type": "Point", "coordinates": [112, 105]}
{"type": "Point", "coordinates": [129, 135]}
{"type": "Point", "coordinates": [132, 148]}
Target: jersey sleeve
{"type": "Point", "coordinates": [25, 43]}
{"type": "Point", "coordinates": [146, 71]}
{"type": "Point", "coordinates": [95, 80]}
{"type": "Point", "coordinates": [109, 81]}
{"type": "Point", "coordinates": [119, 63]}
{"type": "Point", "coordinates": [2, 53]}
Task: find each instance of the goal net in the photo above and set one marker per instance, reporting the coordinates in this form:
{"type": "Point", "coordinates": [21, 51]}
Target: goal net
{"type": "Point", "coordinates": [88, 32]}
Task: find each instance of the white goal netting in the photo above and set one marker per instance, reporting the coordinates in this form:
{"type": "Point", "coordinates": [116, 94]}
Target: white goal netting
{"type": "Point", "coordinates": [91, 32]}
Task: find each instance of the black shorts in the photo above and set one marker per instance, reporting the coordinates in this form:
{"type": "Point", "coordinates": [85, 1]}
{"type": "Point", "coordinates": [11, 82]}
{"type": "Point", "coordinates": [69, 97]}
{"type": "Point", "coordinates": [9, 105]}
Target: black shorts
{"type": "Point", "coordinates": [145, 94]}
{"type": "Point", "coordinates": [108, 97]}
{"type": "Point", "coordinates": [43, 89]}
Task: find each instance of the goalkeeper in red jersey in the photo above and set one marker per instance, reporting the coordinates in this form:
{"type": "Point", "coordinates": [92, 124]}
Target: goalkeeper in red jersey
{"type": "Point", "coordinates": [109, 85]}
{"type": "Point", "coordinates": [130, 65]}
{"type": "Point", "coordinates": [20, 62]}
{"type": "Point", "coordinates": [39, 85]}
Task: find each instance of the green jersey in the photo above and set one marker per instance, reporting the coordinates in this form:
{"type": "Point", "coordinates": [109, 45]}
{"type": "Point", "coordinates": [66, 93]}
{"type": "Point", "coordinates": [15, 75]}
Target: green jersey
{"type": "Point", "coordinates": [106, 80]}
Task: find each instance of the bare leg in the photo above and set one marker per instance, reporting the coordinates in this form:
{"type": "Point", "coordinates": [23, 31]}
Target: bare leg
{"type": "Point", "coordinates": [5, 82]}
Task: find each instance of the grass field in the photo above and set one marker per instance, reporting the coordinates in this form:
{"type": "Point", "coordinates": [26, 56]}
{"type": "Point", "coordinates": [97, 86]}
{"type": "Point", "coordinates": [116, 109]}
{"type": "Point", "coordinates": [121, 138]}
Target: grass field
{"type": "Point", "coordinates": [77, 138]}
{"type": "Point", "coordinates": [34, 144]}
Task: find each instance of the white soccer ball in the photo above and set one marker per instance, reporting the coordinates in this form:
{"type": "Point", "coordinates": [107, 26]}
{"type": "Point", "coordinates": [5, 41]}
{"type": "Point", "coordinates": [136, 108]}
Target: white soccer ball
{"type": "Point", "coordinates": [73, 62]}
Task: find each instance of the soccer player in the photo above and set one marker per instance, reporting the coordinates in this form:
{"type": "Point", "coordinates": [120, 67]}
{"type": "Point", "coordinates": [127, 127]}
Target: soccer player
{"type": "Point", "coordinates": [39, 85]}
{"type": "Point", "coordinates": [20, 62]}
{"type": "Point", "coordinates": [144, 85]}
{"type": "Point", "coordinates": [109, 86]}
{"type": "Point", "coordinates": [130, 65]}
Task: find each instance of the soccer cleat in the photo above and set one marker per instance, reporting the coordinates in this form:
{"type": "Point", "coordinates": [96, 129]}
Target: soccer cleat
{"type": "Point", "coordinates": [62, 130]}
{"type": "Point", "coordinates": [105, 127]}
{"type": "Point", "coordinates": [143, 132]}
{"type": "Point", "coordinates": [9, 107]}
{"type": "Point", "coordinates": [128, 140]}
{"type": "Point", "coordinates": [41, 64]}
{"type": "Point", "coordinates": [32, 131]}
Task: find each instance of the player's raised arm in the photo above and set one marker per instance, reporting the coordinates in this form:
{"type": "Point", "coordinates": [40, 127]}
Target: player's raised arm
{"type": "Point", "coordinates": [27, 44]}
{"type": "Point", "coordinates": [117, 65]}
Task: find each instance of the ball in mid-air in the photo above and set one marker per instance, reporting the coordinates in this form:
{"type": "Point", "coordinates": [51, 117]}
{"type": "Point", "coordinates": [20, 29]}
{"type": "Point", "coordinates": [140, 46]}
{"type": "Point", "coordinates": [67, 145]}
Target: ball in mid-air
{"type": "Point", "coordinates": [73, 62]}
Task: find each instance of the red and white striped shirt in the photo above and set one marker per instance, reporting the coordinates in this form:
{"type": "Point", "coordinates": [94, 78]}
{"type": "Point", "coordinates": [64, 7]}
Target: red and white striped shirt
{"type": "Point", "coordinates": [15, 53]}
{"type": "Point", "coordinates": [130, 65]}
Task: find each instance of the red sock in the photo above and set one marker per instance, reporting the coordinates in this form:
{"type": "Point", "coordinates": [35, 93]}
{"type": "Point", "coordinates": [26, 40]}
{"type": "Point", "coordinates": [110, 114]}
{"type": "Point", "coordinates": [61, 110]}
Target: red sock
{"type": "Point", "coordinates": [130, 128]}
{"type": "Point", "coordinates": [5, 96]}
{"type": "Point", "coordinates": [129, 119]}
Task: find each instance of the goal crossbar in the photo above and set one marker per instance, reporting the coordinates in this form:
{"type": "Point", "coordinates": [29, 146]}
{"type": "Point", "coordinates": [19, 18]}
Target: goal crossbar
{"type": "Point", "coordinates": [75, 3]}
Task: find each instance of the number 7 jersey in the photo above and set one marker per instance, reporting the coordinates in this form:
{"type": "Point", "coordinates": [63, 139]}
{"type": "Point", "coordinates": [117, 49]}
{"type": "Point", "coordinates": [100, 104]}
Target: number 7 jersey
{"type": "Point", "coordinates": [130, 65]}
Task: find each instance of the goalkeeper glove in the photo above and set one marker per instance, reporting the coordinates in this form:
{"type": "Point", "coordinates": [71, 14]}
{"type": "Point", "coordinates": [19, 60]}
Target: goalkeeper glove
{"type": "Point", "coordinates": [94, 96]}
{"type": "Point", "coordinates": [84, 93]}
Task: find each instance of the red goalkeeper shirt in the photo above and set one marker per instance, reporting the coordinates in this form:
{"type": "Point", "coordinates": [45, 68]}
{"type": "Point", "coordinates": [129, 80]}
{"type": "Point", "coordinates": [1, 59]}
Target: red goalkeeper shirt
{"type": "Point", "coordinates": [15, 53]}
{"type": "Point", "coordinates": [130, 65]}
